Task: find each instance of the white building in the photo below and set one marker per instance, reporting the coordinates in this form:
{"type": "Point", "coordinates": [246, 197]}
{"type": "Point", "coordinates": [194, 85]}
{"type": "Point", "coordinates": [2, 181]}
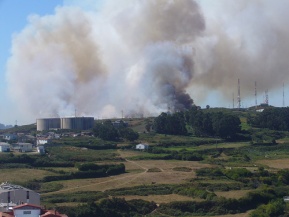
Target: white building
{"type": "Point", "coordinates": [43, 141]}
{"type": "Point", "coordinates": [27, 210]}
{"type": "Point", "coordinates": [4, 147]}
{"type": "Point", "coordinates": [142, 147]}
{"type": "Point", "coordinates": [23, 147]}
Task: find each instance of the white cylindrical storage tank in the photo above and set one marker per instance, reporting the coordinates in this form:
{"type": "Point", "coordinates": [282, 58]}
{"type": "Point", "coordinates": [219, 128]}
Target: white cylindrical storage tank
{"type": "Point", "coordinates": [41, 124]}
{"type": "Point", "coordinates": [47, 124]}
{"type": "Point", "coordinates": [66, 123]}
{"type": "Point", "coordinates": [77, 123]}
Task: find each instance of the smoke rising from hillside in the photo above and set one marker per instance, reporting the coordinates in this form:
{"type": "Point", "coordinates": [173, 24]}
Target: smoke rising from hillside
{"type": "Point", "coordinates": [143, 56]}
{"type": "Point", "coordinates": [244, 39]}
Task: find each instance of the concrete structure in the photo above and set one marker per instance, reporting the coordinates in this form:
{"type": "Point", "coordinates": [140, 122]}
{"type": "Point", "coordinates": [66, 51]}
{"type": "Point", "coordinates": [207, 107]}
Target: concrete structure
{"type": "Point", "coordinates": [14, 194]}
{"type": "Point", "coordinates": [72, 123]}
{"type": "Point", "coordinates": [4, 147]}
{"type": "Point", "coordinates": [48, 123]}
{"type": "Point", "coordinates": [142, 147]}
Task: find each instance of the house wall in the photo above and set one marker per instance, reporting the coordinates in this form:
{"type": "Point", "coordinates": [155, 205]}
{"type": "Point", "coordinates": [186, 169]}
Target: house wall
{"type": "Point", "coordinates": [4, 148]}
{"type": "Point", "coordinates": [25, 147]}
{"type": "Point", "coordinates": [27, 212]}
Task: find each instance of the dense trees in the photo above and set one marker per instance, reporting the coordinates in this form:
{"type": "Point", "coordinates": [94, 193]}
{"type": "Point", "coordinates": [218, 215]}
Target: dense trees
{"type": "Point", "coordinates": [224, 125]}
{"type": "Point", "coordinates": [271, 118]}
{"type": "Point", "coordinates": [107, 131]}
{"type": "Point", "coordinates": [115, 207]}
{"type": "Point", "coordinates": [172, 124]}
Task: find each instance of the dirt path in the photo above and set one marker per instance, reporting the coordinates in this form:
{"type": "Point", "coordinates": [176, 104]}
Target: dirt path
{"type": "Point", "coordinates": [129, 178]}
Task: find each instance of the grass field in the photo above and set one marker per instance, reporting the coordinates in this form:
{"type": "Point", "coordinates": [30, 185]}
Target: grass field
{"type": "Point", "coordinates": [161, 198]}
{"type": "Point", "coordinates": [156, 139]}
{"type": "Point", "coordinates": [210, 146]}
{"type": "Point", "coordinates": [137, 175]}
{"type": "Point", "coordinates": [71, 153]}
{"type": "Point", "coordinates": [22, 175]}
{"type": "Point", "coordinates": [232, 194]}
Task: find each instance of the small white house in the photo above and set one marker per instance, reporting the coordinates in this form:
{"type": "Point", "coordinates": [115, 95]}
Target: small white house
{"type": "Point", "coordinates": [4, 147]}
{"type": "Point", "coordinates": [142, 147]}
{"type": "Point", "coordinates": [24, 147]}
{"type": "Point", "coordinates": [27, 210]}
{"type": "Point", "coordinates": [43, 141]}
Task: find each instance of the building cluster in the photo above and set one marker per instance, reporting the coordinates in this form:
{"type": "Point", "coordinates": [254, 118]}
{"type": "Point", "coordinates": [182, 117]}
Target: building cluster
{"type": "Point", "coordinates": [72, 123]}
{"type": "Point", "coordinates": [21, 142]}
{"type": "Point", "coordinates": [17, 201]}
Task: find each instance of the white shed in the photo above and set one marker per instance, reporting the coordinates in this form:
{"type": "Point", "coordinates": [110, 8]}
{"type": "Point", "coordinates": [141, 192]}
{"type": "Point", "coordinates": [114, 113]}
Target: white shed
{"type": "Point", "coordinates": [4, 147]}
{"type": "Point", "coordinates": [43, 141]}
{"type": "Point", "coordinates": [26, 210]}
{"type": "Point", "coordinates": [24, 147]}
{"type": "Point", "coordinates": [142, 146]}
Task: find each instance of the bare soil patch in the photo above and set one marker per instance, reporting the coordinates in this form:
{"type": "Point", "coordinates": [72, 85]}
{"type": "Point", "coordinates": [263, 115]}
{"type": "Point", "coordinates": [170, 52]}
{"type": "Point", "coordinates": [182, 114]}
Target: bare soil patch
{"type": "Point", "coordinates": [232, 194]}
{"type": "Point", "coordinates": [278, 164]}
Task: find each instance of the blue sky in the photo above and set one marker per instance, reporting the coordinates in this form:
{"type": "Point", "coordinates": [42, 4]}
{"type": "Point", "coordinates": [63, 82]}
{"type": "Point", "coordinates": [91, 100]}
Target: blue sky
{"type": "Point", "coordinates": [13, 18]}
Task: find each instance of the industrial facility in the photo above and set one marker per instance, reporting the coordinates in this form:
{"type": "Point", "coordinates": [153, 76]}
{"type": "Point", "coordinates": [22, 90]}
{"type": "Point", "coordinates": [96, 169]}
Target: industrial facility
{"type": "Point", "coordinates": [70, 123]}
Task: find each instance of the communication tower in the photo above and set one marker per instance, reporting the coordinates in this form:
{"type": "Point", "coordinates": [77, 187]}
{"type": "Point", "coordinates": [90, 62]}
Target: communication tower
{"type": "Point", "coordinates": [266, 97]}
{"type": "Point", "coordinates": [256, 102]}
{"type": "Point", "coordinates": [239, 94]}
{"type": "Point", "coordinates": [283, 96]}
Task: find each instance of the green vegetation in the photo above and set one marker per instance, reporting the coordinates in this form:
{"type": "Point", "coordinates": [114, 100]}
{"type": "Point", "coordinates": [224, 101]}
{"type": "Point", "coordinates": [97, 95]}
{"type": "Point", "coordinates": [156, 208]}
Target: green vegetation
{"type": "Point", "coordinates": [210, 153]}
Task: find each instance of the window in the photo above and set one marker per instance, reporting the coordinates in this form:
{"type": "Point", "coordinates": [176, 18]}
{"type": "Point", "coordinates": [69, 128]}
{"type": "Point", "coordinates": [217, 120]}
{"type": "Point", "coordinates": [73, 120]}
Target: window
{"type": "Point", "coordinates": [26, 212]}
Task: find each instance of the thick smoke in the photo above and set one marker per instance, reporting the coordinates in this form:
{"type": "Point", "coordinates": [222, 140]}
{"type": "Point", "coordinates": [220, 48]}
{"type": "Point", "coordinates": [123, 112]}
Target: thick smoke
{"type": "Point", "coordinates": [243, 39]}
{"type": "Point", "coordinates": [134, 56]}
{"type": "Point", "coordinates": [145, 56]}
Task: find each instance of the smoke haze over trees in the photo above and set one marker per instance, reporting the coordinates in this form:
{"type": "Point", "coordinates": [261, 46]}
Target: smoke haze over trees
{"type": "Point", "coordinates": [146, 56]}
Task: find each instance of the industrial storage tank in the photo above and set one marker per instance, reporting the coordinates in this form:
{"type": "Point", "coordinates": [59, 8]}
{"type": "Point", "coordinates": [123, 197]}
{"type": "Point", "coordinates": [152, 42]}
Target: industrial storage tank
{"type": "Point", "coordinates": [47, 123]}
{"type": "Point", "coordinates": [77, 123]}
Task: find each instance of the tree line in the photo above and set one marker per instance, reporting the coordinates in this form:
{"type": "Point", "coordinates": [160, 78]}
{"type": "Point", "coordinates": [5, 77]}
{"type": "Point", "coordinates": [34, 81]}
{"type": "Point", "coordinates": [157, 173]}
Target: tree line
{"type": "Point", "coordinates": [271, 118]}
{"type": "Point", "coordinates": [203, 123]}
{"type": "Point", "coordinates": [107, 131]}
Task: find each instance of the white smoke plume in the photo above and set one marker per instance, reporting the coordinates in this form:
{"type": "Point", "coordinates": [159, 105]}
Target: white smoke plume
{"type": "Point", "coordinates": [244, 39]}
{"type": "Point", "coordinates": [143, 56]}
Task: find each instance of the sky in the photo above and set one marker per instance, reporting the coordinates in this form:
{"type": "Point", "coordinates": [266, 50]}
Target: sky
{"type": "Point", "coordinates": [13, 18]}
{"type": "Point", "coordinates": [224, 38]}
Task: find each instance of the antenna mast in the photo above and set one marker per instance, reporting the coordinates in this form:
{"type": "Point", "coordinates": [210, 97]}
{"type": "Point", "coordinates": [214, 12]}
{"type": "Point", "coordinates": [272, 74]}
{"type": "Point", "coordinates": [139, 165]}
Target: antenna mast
{"type": "Point", "coordinates": [283, 96]}
{"type": "Point", "coordinates": [239, 94]}
{"type": "Point", "coordinates": [233, 100]}
{"type": "Point", "coordinates": [256, 102]}
{"type": "Point", "coordinates": [266, 97]}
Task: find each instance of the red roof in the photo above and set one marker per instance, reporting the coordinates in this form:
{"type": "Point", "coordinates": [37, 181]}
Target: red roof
{"type": "Point", "coordinates": [6, 214]}
{"type": "Point", "coordinates": [52, 213]}
{"type": "Point", "coordinates": [26, 205]}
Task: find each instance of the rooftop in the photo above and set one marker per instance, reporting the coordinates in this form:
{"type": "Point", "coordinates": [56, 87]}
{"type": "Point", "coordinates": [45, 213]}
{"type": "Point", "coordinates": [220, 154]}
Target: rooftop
{"type": "Point", "coordinates": [6, 186]}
